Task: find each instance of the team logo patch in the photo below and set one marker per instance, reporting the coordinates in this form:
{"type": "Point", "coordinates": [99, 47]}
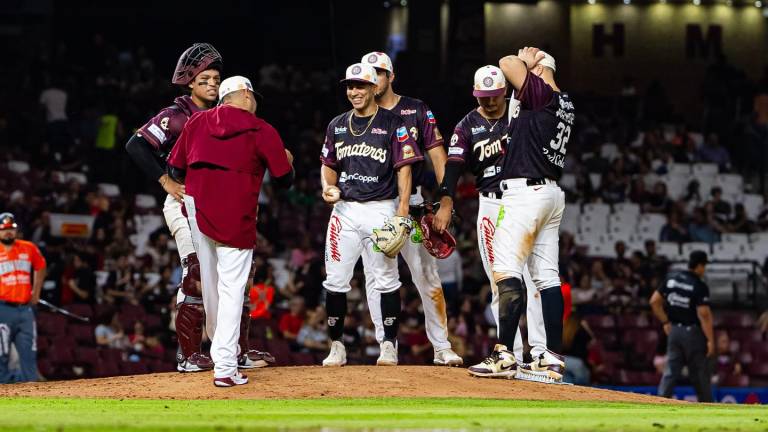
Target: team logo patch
{"type": "Point", "coordinates": [408, 152]}
{"type": "Point", "coordinates": [430, 117]}
{"type": "Point", "coordinates": [325, 151]}
{"type": "Point", "coordinates": [478, 130]}
{"type": "Point", "coordinates": [402, 134]}
{"type": "Point", "coordinates": [407, 111]}
{"type": "Point", "coordinates": [339, 130]}
{"type": "Point", "coordinates": [334, 231]}
{"type": "Point", "coordinates": [488, 81]}
{"type": "Point", "coordinates": [415, 133]}
{"type": "Point", "coordinates": [157, 132]}
{"type": "Point", "coordinates": [378, 131]}
{"type": "Point", "coordinates": [356, 70]}
{"type": "Point", "coordinates": [455, 151]}
{"type": "Point", "coordinates": [488, 230]}
{"type": "Point", "coordinates": [372, 58]}
{"type": "Point", "coordinates": [454, 139]}
{"type": "Point", "coordinates": [164, 123]}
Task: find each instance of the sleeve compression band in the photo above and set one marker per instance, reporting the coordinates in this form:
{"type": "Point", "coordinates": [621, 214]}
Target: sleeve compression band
{"type": "Point", "coordinates": [453, 170]}
{"type": "Point", "coordinates": [143, 154]}
{"type": "Point", "coordinates": [284, 181]}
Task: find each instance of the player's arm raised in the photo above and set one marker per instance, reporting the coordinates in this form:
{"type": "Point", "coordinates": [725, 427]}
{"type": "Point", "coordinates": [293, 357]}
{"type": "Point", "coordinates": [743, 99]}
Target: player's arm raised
{"type": "Point", "coordinates": [516, 67]}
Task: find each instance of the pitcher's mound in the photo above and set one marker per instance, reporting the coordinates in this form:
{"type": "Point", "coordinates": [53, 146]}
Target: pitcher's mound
{"type": "Point", "coordinates": [316, 382]}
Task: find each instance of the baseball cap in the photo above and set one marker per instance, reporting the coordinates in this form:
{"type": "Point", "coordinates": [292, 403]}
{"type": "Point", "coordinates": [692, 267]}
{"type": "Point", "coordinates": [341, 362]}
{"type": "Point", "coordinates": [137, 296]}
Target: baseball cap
{"type": "Point", "coordinates": [235, 83]}
{"type": "Point", "coordinates": [7, 221]}
{"type": "Point", "coordinates": [361, 72]}
{"type": "Point", "coordinates": [379, 60]}
{"type": "Point", "coordinates": [548, 61]}
{"type": "Point", "coordinates": [697, 257]}
{"type": "Point", "coordinates": [489, 81]}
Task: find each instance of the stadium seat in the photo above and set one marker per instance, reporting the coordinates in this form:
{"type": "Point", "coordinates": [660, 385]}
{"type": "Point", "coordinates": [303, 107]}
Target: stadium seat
{"type": "Point", "coordinates": [109, 189]}
{"type": "Point", "coordinates": [81, 309]}
{"type": "Point", "coordinates": [650, 225]}
{"type": "Point", "coordinates": [730, 183]}
{"type": "Point", "coordinates": [753, 204]}
{"type": "Point", "coordinates": [18, 167]}
{"type": "Point", "coordinates": [756, 252]}
{"type": "Point", "coordinates": [670, 250]}
{"type": "Point", "coordinates": [687, 248]}
{"type": "Point", "coordinates": [598, 322]}
{"type": "Point", "coordinates": [144, 201]}
{"type": "Point", "coordinates": [609, 151]}
{"type": "Point", "coordinates": [570, 222]}
{"type": "Point", "coordinates": [758, 369]}
{"type": "Point", "coordinates": [735, 381]}
{"type": "Point", "coordinates": [303, 359]}
{"type": "Point", "coordinates": [596, 209]}
{"type": "Point", "coordinates": [682, 169]}
{"type": "Point", "coordinates": [633, 321]}
{"type": "Point", "coordinates": [759, 237]}
{"type": "Point", "coordinates": [567, 181]}
{"type": "Point", "coordinates": [732, 320]}
{"type": "Point", "coordinates": [77, 177]}
{"type": "Point", "coordinates": [727, 251]}
{"type": "Point", "coordinates": [84, 334]}
{"type": "Point", "coordinates": [600, 250]}
{"type": "Point", "coordinates": [626, 207]}
{"type": "Point", "coordinates": [61, 354]}
{"type": "Point", "coordinates": [106, 369]}
{"type": "Point", "coordinates": [676, 184]}
{"type": "Point", "coordinates": [735, 238]}
{"type": "Point", "coordinates": [705, 169]}
{"type": "Point", "coordinates": [87, 357]}
{"type": "Point", "coordinates": [134, 368]}
{"type": "Point", "coordinates": [747, 337]}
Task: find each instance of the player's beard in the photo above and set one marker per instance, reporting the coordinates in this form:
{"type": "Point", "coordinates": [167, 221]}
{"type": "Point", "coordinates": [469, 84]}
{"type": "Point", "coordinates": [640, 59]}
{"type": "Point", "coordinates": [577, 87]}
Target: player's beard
{"type": "Point", "coordinates": [384, 90]}
{"type": "Point", "coordinates": [7, 241]}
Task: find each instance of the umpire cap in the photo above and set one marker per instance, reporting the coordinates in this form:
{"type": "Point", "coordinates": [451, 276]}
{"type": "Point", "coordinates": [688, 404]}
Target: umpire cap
{"type": "Point", "coordinates": [697, 257]}
{"type": "Point", "coordinates": [7, 221]}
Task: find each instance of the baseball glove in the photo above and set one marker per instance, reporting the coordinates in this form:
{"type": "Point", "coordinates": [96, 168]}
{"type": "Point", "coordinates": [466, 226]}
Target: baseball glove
{"type": "Point", "coordinates": [390, 238]}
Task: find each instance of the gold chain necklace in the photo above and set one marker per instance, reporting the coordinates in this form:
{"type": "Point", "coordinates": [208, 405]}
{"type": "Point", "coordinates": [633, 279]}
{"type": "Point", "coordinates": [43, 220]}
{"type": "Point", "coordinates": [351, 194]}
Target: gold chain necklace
{"type": "Point", "coordinates": [352, 130]}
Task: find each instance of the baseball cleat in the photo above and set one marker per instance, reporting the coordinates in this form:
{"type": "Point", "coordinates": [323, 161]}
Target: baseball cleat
{"type": "Point", "coordinates": [547, 368]}
{"type": "Point", "coordinates": [255, 359]}
{"type": "Point", "coordinates": [388, 355]}
{"type": "Point", "coordinates": [195, 363]}
{"type": "Point", "coordinates": [234, 380]}
{"type": "Point", "coordinates": [500, 364]}
{"type": "Point", "coordinates": [337, 356]}
{"type": "Point", "coordinates": [447, 357]}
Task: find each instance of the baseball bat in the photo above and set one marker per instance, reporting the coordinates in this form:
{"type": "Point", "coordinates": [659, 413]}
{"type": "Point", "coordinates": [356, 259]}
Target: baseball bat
{"type": "Point", "coordinates": [63, 311]}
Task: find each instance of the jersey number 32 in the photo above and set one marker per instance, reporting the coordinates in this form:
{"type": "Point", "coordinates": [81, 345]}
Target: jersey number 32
{"type": "Point", "coordinates": [563, 135]}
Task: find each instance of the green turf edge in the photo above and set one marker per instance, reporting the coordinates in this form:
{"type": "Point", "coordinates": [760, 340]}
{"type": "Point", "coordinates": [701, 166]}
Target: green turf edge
{"type": "Point", "coordinates": [371, 413]}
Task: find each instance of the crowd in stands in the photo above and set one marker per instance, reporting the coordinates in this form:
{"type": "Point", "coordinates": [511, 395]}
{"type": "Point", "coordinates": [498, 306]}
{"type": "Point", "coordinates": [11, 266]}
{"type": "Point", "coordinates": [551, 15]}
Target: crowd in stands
{"type": "Point", "coordinates": [76, 119]}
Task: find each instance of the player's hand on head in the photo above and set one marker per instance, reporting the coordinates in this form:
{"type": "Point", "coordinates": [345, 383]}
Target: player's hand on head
{"type": "Point", "coordinates": [530, 56]}
{"type": "Point", "coordinates": [289, 155]}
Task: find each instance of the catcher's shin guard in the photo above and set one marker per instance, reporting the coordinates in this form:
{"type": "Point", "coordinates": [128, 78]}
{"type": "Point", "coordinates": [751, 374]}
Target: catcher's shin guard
{"type": "Point", "coordinates": [250, 358]}
{"type": "Point", "coordinates": [190, 278]}
{"type": "Point", "coordinates": [190, 318]}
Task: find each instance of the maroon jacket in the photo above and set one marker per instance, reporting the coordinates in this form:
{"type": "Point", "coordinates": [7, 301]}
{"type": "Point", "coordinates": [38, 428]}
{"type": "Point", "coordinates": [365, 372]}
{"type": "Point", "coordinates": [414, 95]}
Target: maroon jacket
{"type": "Point", "coordinates": [225, 151]}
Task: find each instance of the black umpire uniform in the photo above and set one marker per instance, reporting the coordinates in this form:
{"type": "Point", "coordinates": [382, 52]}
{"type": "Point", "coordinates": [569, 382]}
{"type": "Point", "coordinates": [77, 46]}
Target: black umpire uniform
{"type": "Point", "coordinates": [682, 305]}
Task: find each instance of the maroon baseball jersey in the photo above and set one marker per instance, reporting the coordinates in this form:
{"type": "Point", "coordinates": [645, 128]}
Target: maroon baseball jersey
{"type": "Point", "coordinates": [479, 143]}
{"type": "Point", "coordinates": [422, 126]}
{"type": "Point", "coordinates": [366, 164]}
{"type": "Point", "coordinates": [539, 133]}
{"type": "Point", "coordinates": [225, 152]}
{"type": "Point", "coordinates": [164, 129]}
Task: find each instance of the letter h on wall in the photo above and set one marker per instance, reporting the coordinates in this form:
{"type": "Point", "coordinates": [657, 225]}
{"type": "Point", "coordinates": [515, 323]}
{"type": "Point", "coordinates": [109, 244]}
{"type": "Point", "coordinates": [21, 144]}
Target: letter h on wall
{"type": "Point", "coordinates": [600, 39]}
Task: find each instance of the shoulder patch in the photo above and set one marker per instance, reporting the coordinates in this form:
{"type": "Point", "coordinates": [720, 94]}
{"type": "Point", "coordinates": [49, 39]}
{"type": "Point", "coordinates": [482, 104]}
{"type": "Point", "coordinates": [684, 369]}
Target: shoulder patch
{"type": "Point", "coordinates": [157, 132]}
{"type": "Point", "coordinates": [402, 134]}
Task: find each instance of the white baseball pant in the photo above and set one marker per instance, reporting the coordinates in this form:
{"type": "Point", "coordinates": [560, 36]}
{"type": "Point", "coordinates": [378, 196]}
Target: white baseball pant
{"type": "Point", "coordinates": [528, 232]}
{"type": "Point", "coordinates": [488, 214]}
{"type": "Point", "coordinates": [347, 239]}
{"type": "Point", "coordinates": [224, 272]}
{"type": "Point", "coordinates": [423, 267]}
{"type": "Point", "coordinates": [179, 227]}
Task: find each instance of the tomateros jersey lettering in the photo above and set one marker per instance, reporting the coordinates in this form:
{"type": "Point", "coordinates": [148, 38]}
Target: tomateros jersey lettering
{"type": "Point", "coordinates": [421, 125]}
{"type": "Point", "coordinates": [366, 164]}
{"type": "Point", "coordinates": [480, 143]}
{"type": "Point", "coordinates": [540, 133]}
{"type": "Point", "coordinates": [16, 266]}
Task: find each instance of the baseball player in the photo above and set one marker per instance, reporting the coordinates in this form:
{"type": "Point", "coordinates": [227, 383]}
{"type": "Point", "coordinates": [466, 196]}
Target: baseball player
{"type": "Point", "coordinates": [22, 272]}
{"type": "Point", "coordinates": [422, 126]}
{"type": "Point", "coordinates": [532, 205]}
{"type": "Point", "coordinates": [198, 70]}
{"type": "Point", "coordinates": [366, 163]}
{"type": "Point", "coordinates": [478, 144]}
{"type": "Point", "coordinates": [227, 148]}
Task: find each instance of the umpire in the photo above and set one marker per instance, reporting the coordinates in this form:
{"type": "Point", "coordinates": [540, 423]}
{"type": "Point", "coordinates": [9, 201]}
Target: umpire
{"type": "Point", "coordinates": [682, 306]}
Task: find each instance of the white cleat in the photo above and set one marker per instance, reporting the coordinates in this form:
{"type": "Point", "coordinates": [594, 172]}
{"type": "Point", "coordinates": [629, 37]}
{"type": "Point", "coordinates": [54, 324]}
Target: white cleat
{"type": "Point", "coordinates": [500, 364]}
{"type": "Point", "coordinates": [388, 356]}
{"type": "Point", "coordinates": [548, 368]}
{"type": "Point", "coordinates": [338, 355]}
{"type": "Point", "coordinates": [447, 357]}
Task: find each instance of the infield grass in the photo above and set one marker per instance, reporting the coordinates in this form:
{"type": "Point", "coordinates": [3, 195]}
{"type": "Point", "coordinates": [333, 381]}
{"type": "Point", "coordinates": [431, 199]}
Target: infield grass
{"type": "Point", "coordinates": [370, 414]}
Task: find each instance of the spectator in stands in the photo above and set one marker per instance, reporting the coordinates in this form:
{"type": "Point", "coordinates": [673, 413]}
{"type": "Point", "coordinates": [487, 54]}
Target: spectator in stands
{"type": "Point", "coordinates": [576, 339]}
{"type": "Point", "coordinates": [713, 152]}
{"type": "Point", "coordinates": [658, 201]}
{"type": "Point", "coordinates": [137, 339]}
{"type": "Point", "coordinates": [740, 222]}
{"type": "Point", "coordinates": [703, 228]}
{"type": "Point", "coordinates": [638, 194]}
{"type": "Point", "coordinates": [82, 284]}
{"type": "Point", "coordinates": [674, 230]}
{"type": "Point", "coordinates": [726, 362]}
{"type": "Point", "coordinates": [762, 322]}
{"type": "Point", "coordinates": [692, 197]}
{"type": "Point", "coordinates": [54, 100]}
{"type": "Point", "coordinates": [110, 333]}
{"type": "Point", "coordinates": [719, 208]}
{"type": "Point", "coordinates": [313, 336]}
{"type": "Point", "coordinates": [292, 322]}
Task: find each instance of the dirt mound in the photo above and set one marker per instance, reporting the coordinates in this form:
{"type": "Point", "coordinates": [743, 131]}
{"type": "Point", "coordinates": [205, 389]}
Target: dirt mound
{"type": "Point", "coordinates": [315, 382]}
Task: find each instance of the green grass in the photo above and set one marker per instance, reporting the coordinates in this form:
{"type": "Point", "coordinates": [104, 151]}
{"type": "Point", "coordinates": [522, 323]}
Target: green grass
{"type": "Point", "coordinates": [379, 414]}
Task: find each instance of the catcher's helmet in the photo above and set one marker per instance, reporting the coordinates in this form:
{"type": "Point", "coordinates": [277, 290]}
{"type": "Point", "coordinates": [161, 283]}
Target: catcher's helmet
{"type": "Point", "coordinates": [7, 221]}
{"type": "Point", "coordinates": [195, 59]}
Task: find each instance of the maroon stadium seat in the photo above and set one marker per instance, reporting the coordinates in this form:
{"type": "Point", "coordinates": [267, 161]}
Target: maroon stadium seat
{"type": "Point", "coordinates": [133, 368]}
{"type": "Point", "coordinates": [633, 321]}
{"type": "Point", "coordinates": [42, 344]}
{"type": "Point", "coordinates": [303, 359]}
{"type": "Point", "coordinates": [735, 381]}
{"type": "Point", "coordinates": [758, 369]}
{"type": "Point", "coordinates": [600, 322]}
{"type": "Point", "coordinates": [152, 322]}
{"type": "Point", "coordinates": [111, 355]}
{"type": "Point", "coordinates": [737, 320]}
{"type": "Point", "coordinates": [280, 349]}
{"type": "Point", "coordinates": [61, 354]}
{"type": "Point", "coordinates": [81, 309]}
{"type": "Point", "coordinates": [107, 369]}
{"type": "Point", "coordinates": [83, 334]}
{"type": "Point", "coordinates": [51, 324]}
{"type": "Point", "coordinates": [747, 337]}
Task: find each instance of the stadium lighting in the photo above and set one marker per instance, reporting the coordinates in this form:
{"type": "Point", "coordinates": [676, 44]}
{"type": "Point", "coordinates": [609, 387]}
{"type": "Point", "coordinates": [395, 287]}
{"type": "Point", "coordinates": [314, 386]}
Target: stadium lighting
{"type": "Point", "coordinates": [626, 2]}
{"type": "Point", "coordinates": [696, 2]}
{"type": "Point", "coordinates": [729, 2]}
{"type": "Point", "coordinates": [591, 1]}
{"type": "Point", "coordinates": [403, 3]}
{"type": "Point", "coordinates": [758, 3]}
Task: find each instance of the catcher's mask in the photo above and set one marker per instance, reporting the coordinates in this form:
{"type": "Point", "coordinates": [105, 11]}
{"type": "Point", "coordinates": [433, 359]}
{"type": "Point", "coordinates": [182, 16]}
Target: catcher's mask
{"type": "Point", "coordinates": [439, 245]}
{"type": "Point", "coordinates": [197, 58]}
